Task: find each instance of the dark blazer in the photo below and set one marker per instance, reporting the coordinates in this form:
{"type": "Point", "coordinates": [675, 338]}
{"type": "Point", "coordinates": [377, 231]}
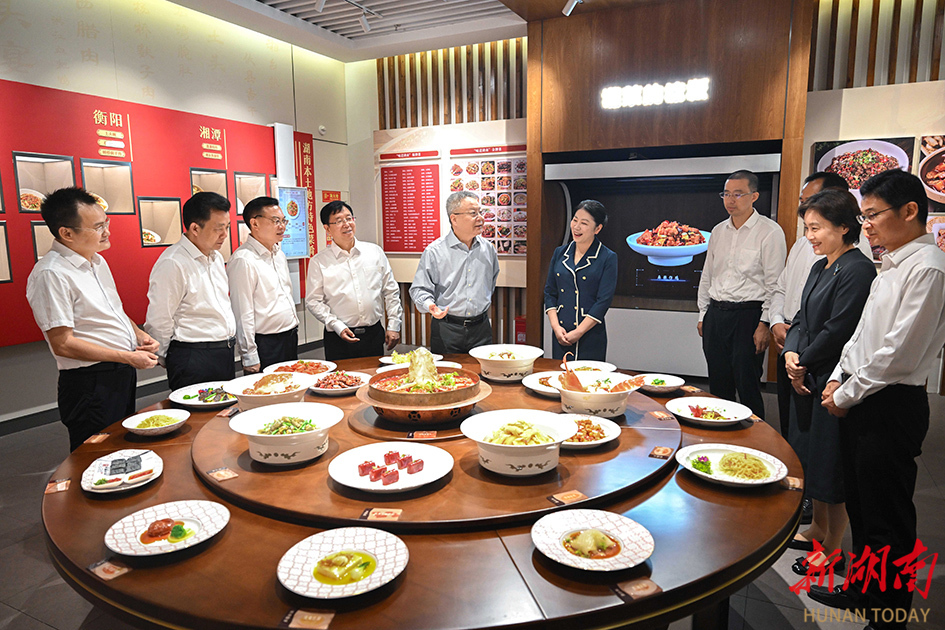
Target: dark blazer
{"type": "Point", "coordinates": [831, 305]}
{"type": "Point", "coordinates": [584, 289]}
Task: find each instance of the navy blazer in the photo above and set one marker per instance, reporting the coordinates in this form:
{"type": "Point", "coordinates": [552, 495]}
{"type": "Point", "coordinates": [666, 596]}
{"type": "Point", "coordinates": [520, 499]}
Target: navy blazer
{"type": "Point", "coordinates": [585, 289]}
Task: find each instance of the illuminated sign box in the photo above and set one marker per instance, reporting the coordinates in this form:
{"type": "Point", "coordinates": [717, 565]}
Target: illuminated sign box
{"type": "Point", "coordinates": [617, 97]}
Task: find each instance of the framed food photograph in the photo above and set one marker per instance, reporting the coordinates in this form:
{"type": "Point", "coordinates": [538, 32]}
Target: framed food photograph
{"type": "Point", "coordinates": [931, 171]}
{"type": "Point", "coordinates": [38, 174]}
{"type": "Point", "coordinates": [858, 160]}
{"type": "Point", "coordinates": [111, 183]}
{"type": "Point", "coordinates": [5, 274]}
{"type": "Point", "coordinates": [42, 239]}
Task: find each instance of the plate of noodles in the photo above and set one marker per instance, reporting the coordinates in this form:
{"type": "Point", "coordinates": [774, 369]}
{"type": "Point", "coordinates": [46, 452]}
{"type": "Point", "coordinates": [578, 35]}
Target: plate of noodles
{"type": "Point", "coordinates": [731, 465]}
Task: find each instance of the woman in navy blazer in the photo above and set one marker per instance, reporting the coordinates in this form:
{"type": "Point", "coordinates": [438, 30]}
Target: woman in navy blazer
{"type": "Point", "coordinates": [831, 305]}
{"type": "Point", "coordinates": [580, 287]}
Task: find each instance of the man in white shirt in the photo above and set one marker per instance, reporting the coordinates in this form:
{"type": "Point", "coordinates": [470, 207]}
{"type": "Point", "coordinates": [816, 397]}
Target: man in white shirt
{"type": "Point", "coordinates": [267, 327]}
{"type": "Point", "coordinates": [878, 391]}
{"type": "Point", "coordinates": [189, 310]}
{"type": "Point", "coordinates": [76, 305]}
{"type": "Point", "coordinates": [349, 284]}
{"type": "Point", "coordinates": [744, 259]}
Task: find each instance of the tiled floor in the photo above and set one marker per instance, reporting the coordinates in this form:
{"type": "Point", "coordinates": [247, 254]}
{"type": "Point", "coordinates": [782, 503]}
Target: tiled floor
{"type": "Point", "coordinates": [33, 597]}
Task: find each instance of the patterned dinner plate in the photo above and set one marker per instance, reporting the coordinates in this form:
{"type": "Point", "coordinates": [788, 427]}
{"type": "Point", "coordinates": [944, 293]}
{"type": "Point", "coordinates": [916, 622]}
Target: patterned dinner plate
{"type": "Point", "coordinates": [296, 570]}
{"type": "Point", "coordinates": [205, 518]}
{"type": "Point", "coordinates": [99, 470]}
{"type": "Point", "coordinates": [636, 542]}
{"type": "Point", "coordinates": [715, 452]}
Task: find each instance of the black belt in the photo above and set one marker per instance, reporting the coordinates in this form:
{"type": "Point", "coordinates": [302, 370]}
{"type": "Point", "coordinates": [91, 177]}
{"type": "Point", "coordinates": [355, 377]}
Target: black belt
{"type": "Point", "coordinates": [475, 320]}
{"type": "Point", "coordinates": [102, 366]}
{"type": "Point", "coordinates": [735, 306]}
{"type": "Point", "coordinates": [290, 331]}
{"type": "Point", "coordinates": [207, 345]}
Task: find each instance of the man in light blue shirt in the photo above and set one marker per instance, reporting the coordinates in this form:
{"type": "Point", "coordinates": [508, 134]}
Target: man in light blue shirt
{"type": "Point", "coordinates": [456, 279]}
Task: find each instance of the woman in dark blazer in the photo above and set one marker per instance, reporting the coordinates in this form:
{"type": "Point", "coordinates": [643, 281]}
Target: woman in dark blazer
{"type": "Point", "coordinates": [581, 283]}
{"type": "Point", "coordinates": [831, 305]}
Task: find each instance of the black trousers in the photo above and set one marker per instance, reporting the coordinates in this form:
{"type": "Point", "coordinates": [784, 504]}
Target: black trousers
{"type": "Point", "coordinates": [730, 355]}
{"type": "Point", "coordinates": [784, 396]}
{"type": "Point", "coordinates": [277, 347]}
{"type": "Point", "coordinates": [188, 364]}
{"type": "Point", "coordinates": [880, 439]}
{"type": "Point", "coordinates": [93, 397]}
{"type": "Point", "coordinates": [447, 338]}
{"type": "Point", "coordinates": [370, 343]}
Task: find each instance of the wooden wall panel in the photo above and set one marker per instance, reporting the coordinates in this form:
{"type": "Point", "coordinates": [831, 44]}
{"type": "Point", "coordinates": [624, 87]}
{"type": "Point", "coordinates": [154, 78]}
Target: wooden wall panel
{"type": "Point", "coordinates": [832, 42]}
{"type": "Point", "coordinates": [936, 64]}
{"type": "Point", "coordinates": [914, 47]}
{"type": "Point", "coordinates": [851, 46]}
{"type": "Point", "coordinates": [894, 41]}
{"type": "Point", "coordinates": [381, 97]}
{"type": "Point", "coordinates": [402, 89]}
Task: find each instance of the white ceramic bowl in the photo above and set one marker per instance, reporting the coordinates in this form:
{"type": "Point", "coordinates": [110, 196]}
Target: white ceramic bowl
{"type": "Point", "coordinates": [606, 404]}
{"type": "Point", "coordinates": [300, 382]}
{"type": "Point", "coordinates": [589, 366]}
{"type": "Point", "coordinates": [671, 383]}
{"type": "Point", "coordinates": [507, 370]}
{"type": "Point", "coordinates": [132, 423]}
{"type": "Point", "coordinates": [518, 461]}
{"type": "Point", "coordinates": [285, 450]}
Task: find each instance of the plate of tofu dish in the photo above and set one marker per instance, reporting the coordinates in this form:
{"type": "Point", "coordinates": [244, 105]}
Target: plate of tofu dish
{"type": "Point", "coordinates": [390, 466]}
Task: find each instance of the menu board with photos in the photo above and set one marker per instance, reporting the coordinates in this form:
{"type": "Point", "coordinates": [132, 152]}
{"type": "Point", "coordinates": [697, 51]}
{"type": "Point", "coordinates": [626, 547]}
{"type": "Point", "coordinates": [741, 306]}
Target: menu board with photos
{"type": "Point", "coordinates": [498, 174]}
{"type": "Point", "coordinates": [410, 206]}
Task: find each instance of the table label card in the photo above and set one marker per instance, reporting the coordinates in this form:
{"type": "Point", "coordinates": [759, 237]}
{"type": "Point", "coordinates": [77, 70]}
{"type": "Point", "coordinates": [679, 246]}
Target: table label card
{"type": "Point", "coordinates": [229, 412]}
{"type": "Point", "coordinates": [690, 389]}
{"type": "Point", "coordinates": [96, 438]}
{"type": "Point", "coordinates": [57, 485]}
{"type": "Point", "coordinates": [662, 415]}
{"type": "Point", "coordinates": [222, 474]}
{"type": "Point", "coordinates": [381, 514]}
{"type": "Point", "coordinates": [755, 418]}
{"type": "Point", "coordinates": [317, 619]}
{"type": "Point", "coordinates": [636, 589]}
{"type": "Point", "coordinates": [661, 452]}
{"type": "Point", "coordinates": [793, 483]}
{"type": "Point", "coordinates": [108, 569]}
{"type": "Point", "coordinates": [421, 435]}
{"type": "Point", "coordinates": [564, 498]}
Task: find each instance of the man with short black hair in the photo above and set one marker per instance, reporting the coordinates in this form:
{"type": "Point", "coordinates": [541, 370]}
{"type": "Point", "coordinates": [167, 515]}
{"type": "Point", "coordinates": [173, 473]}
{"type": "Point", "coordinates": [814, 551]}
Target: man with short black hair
{"type": "Point", "coordinates": [456, 278]}
{"type": "Point", "coordinates": [878, 391]}
{"type": "Point", "coordinates": [349, 284]}
{"type": "Point", "coordinates": [189, 310]}
{"type": "Point", "coordinates": [74, 300]}
{"type": "Point", "coordinates": [744, 259]}
{"type": "Point", "coordinates": [267, 327]}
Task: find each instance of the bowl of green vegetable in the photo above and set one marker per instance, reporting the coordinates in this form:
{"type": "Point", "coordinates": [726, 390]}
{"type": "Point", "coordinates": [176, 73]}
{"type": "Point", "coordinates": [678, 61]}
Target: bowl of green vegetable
{"type": "Point", "coordinates": [661, 383]}
{"type": "Point", "coordinates": [151, 423]}
{"type": "Point", "coordinates": [287, 433]}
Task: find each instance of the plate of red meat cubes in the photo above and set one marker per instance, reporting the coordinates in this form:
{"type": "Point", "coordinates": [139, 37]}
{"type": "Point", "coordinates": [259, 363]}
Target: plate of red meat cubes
{"type": "Point", "coordinates": [390, 466]}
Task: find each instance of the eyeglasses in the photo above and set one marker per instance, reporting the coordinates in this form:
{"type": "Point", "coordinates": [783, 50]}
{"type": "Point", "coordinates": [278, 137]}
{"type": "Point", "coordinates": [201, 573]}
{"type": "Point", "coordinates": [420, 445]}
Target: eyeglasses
{"type": "Point", "coordinates": [343, 221]}
{"type": "Point", "coordinates": [871, 216]}
{"type": "Point", "coordinates": [475, 213]}
{"type": "Point", "coordinates": [735, 196]}
{"type": "Point", "coordinates": [275, 221]}
{"type": "Point", "coordinates": [100, 228]}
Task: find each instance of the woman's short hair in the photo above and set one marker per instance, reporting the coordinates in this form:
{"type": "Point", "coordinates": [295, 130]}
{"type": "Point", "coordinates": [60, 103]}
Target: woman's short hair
{"type": "Point", "coordinates": [838, 207]}
{"type": "Point", "coordinates": [595, 209]}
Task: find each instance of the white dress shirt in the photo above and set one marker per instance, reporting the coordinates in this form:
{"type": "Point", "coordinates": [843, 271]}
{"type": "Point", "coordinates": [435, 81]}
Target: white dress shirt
{"type": "Point", "coordinates": [188, 297]}
{"type": "Point", "coordinates": [261, 295]}
{"type": "Point", "coordinates": [456, 277]}
{"type": "Point", "coordinates": [743, 264]}
{"type": "Point", "coordinates": [65, 289]}
{"type": "Point", "coordinates": [351, 289]}
{"type": "Point", "coordinates": [786, 301]}
{"type": "Point", "coordinates": [902, 327]}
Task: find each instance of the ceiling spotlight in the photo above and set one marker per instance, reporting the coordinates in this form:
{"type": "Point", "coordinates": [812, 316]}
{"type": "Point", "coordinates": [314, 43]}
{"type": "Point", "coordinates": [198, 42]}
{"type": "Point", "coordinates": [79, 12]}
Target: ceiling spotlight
{"type": "Point", "coordinates": [320, 5]}
{"type": "Point", "coordinates": [570, 6]}
{"type": "Point", "coordinates": [364, 23]}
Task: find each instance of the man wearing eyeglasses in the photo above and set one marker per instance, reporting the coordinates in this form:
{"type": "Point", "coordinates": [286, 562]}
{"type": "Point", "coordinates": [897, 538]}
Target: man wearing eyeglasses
{"type": "Point", "coordinates": [878, 390]}
{"type": "Point", "coordinates": [456, 279]}
{"type": "Point", "coordinates": [74, 300]}
{"type": "Point", "coordinates": [189, 310]}
{"type": "Point", "coordinates": [267, 327]}
{"type": "Point", "coordinates": [349, 285]}
{"type": "Point", "coordinates": [744, 259]}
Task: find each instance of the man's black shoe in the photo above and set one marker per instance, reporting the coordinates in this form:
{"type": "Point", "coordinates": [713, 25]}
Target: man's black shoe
{"type": "Point", "coordinates": [836, 598]}
{"type": "Point", "coordinates": [807, 515]}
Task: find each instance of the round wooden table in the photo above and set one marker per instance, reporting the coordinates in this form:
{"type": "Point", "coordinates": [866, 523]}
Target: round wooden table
{"type": "Point", "coordinates": [472, 561]}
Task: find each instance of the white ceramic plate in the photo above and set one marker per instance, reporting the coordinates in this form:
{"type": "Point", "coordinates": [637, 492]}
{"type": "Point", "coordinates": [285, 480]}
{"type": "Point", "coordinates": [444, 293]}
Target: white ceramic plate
{"type": "Point", "coordinates": [611, 431]}
{"type": "Point", "coordinates": [670, 383]}
{"type": "Point", "coordinates": [436, 464]}
{"type": "Point", "coordinates": [733, 411]}
{"type": "Point", "coordinates": [344, 391]}
{"type": "Point", "coordinates": [206, 518]}
{"type": "Point", "coordinates": [99, 470]}
{"type": "Point", "coordinates": [154, 235]}
{"type": "Point", "coordinates": [886, 148]}
{"type": "Point", "coordinates": [636, 542]}
{"type": "Point", "coordinates": [396, 366]}
{"type": "Point", "coordinates": [532, 382]}
{"type": "Point", "coordinates": [669, 256]}
{"type": "Point", "coordinates": [389, 360]}
{"type": "Point", "coordinates": [30, 191]}
{"type": "Point", "coordinates": [131, 424]}
{"type": "Point", "coordinates": [328, 364]}
{"type": "Point", "coordinates": [588, 366]}
{"type": "Point", "coordinates": [296, 570]}
{"type": "Point", "coordinates": [179, 396]}
{"type": "Point", "coordinates": [685, 456]}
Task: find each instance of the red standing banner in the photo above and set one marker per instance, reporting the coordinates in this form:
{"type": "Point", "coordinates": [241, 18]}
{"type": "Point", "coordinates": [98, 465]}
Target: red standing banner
{"type": "Point", "coordinates": [305, 177]}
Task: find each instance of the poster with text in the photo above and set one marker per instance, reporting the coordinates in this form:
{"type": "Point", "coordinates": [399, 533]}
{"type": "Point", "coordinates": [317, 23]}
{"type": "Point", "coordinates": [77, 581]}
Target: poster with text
{"type": "Point", "coordinates": [294, 202]}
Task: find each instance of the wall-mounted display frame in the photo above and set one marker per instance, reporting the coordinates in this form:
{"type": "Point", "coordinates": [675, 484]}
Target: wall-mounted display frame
{"type": "Point", "coordinates": [857, 160]}
{"type": "Point", "coordinates": [248, 186]}
{"type": "Point", "coordinates": [931, 170]}
{"type": "Point", "coordinates": [111, 183]}
{"type": "Point", "coordinates": [38, 174]}
{"type": "Point", "coordinates": [6, 272]}
{"type": "Point", "coordinates": [42, 239]}
{"type": "Point", "coordinates": [160, 220]}
{"type": "Point", "coordinates": [2, 203]}
{"type": "Point", "coordinates": [212, 180]}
